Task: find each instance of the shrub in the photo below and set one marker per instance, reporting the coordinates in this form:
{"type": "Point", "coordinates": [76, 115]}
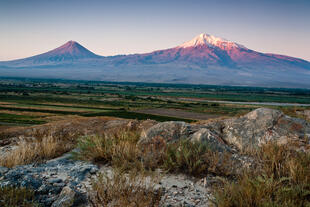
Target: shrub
{"type": "Point", "coordinates": [282, 178]}
{"type": "Point", "coordinates": [121, 189]}
{"type": "Point", "coordinates": [16, 197]}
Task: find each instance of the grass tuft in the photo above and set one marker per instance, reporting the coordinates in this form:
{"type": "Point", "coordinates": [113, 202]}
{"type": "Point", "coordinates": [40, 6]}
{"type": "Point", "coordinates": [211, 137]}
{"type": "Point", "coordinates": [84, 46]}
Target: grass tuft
{"type": "Point", "coordinates": [121, 151]}
{"type": "Point", "coordinates": [37, 150]}
{"type": "Point", "coordinates": [121, 189]}
{"type": "Point", "coordinates": [282, 178]}
{"type": "Point", "coordinates": [16, 197]}
{"type": "Point", "coordinates": [196, 159]}
{"type": "Point", "coordinates": [116, 148]}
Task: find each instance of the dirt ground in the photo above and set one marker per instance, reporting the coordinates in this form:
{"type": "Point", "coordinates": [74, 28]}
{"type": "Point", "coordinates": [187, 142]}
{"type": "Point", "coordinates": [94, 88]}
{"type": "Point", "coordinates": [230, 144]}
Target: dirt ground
{"type": "Point", "coordinates": [178, 113]}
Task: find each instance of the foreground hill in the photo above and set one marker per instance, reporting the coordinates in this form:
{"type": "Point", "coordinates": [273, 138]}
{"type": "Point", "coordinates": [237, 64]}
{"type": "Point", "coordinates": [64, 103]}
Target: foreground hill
{"type": "Point", "coordinates": [203, 60]}
{"type": "Point", "coordinates": [144, 163]}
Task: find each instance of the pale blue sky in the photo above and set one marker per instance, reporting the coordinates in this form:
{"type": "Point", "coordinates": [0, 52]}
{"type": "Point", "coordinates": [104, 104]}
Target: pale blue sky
{"type": "Point", "coordinates": [30, 27]}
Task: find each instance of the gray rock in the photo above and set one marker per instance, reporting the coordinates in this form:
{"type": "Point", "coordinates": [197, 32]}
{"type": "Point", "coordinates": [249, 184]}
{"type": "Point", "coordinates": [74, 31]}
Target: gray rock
{"type": "Point", "coordinates": [65, 199]}
{"type": "Point", "coordinates": [3, 170]}
{"type": "Point", "coordinates": [181, 190]}
{"type": "Point", "coordinates": [214, 142]}
{"type": "Point", "coordinates": [166, 132]}
{"type": "Point", "coordinates": [48, 179]}
{"type": "Point", "coordinates": [262, 125]}
{"type": "Point", "coordinates": [54, 180]}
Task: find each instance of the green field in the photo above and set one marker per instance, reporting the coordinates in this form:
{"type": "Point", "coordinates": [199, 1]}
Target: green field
{"type": "Point", "coordinates": [37, 101]}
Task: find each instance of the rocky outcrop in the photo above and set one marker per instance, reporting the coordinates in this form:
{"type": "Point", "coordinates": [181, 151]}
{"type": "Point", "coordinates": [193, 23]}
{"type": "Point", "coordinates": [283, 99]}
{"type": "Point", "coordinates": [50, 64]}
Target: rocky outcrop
{"type": "Point", "coordinates": [56, 182]}
{"type": "Point", "coordinates": [204, 135]}
{"type": "Point", "coordinates": [65, 182]}
{"type": "Point", "coordinates": [167, 132]}
{"type": "Point", "coordinates": [172, 131]}
{"type": "Point", "coordinates": [66, 198]}
{"type": "Point", "coordinates": [180, 190]}
{"type": "Point", "coordinates": [248, 131]}
{"type": "Point", "coordinates": [262, 125]}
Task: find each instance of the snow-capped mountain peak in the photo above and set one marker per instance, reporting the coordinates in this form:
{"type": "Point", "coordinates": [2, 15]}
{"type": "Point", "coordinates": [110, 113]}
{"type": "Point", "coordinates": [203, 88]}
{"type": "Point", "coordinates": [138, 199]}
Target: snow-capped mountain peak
{"type": "Point", "coordinates": [206, 59]}
{"type": "Point", "coordinates": [210, 41]}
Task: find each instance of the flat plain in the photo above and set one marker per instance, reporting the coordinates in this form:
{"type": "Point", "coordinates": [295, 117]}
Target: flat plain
{"type": "Point", "coordinates": [26, 102]}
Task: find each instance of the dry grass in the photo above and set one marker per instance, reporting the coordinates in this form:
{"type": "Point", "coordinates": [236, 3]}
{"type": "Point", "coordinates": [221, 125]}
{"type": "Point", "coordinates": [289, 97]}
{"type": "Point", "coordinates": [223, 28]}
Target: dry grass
{"type": "Point", "coordinates": [71, 127]}
{"type": "Point", "coordinates": [5, 127]}
{"type": "Point", "coordinates": [116, 148]}
{"type": "Point", "coordinates": [35, 151]}
{"type": "Point", "coordinates": [120, 189]}
{"type": "Point", "coordinates": [196, 159]}
{"type": "Point", "coordinates": [16, 197]}
{"type": "Point", "coordinates": [121, 151]}
{"type": "Point", "coordinates": [53, 139]}
{"type": "Point", "coordinates": [282, 178]}
{"type": "Point", "coordinates": [295, 112]}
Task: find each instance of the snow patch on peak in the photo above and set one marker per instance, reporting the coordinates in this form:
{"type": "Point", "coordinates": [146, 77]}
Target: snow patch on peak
{"type": "Point", "coordinates": [210, 41]}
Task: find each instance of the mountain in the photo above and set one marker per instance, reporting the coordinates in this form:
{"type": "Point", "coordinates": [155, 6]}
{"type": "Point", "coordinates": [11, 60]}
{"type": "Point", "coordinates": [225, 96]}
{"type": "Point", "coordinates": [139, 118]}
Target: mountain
{"type": "Point", "coordinates": [207, 50]}
{"type": "Point", "coordinates": [205, 59]}
{"type": "Point", "coordinates": [70, 51]}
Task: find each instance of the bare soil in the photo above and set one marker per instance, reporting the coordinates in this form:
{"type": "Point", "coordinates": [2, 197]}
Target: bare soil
{"type": "Point", "coordinates": [178, 113]}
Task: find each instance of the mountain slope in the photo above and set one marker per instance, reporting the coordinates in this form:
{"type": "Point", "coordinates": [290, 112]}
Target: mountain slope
{"type": "Point", "coordinates": [206, 50]}
{"type": "Point", "coordinates": [206, 59]}
{"type": "Point", "coordinates": [70, 51]}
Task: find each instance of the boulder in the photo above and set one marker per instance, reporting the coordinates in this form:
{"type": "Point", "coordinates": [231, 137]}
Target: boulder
{"type": "Point", "coordinates": [262, 125]}
{"type": "Point", "coordinates": [48, 179]}
{"type": "Point", "coordinates": [65, 199]}
{"type": "Point", "coordinates": [215, 143]}
{"type": "Point", "coordinates": [167, 132]}
{"type": "Point", "coordinates": [172, 131]}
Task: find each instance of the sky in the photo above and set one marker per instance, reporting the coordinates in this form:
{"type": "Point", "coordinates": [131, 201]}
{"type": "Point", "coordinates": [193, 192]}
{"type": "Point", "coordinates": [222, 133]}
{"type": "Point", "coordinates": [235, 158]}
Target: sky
{"type": "Point", "coordinates": [30, 27]}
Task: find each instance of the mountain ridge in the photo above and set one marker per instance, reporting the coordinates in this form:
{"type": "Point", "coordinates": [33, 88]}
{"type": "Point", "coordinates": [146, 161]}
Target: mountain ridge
{"type": "Point", "coordinates": [205, 59]}
{"type": "Point", "coordinates": [200, 41]}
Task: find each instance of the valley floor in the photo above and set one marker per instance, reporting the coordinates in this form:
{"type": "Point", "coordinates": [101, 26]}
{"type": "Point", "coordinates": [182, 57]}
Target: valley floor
{"type": "Point", "coordinates": [120, 144]}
